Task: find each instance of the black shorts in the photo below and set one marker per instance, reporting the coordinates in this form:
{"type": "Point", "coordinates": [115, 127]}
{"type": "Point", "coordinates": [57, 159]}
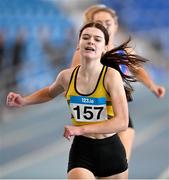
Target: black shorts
{"type": "Point", "coordinates": [130, 125]}
{"type": "Point", "coordinates": [103, 157]}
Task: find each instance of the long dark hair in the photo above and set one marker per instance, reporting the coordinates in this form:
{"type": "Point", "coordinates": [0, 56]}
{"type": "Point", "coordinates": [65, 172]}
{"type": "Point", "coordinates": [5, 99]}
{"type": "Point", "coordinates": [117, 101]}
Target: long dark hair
{"type": "Point", "coordinates": [121, 56]}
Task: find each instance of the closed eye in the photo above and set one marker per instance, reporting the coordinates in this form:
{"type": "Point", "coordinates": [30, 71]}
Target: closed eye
{"type": "Point", "coordinates": [85, 38]}
{"type": "Point", "coordinates": [98, 39]}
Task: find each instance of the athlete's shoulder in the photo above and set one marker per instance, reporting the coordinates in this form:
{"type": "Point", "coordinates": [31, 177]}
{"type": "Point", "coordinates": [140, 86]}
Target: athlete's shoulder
{"type": "Point", "coordinates": [112, 76]}
{"type": "Point", "coordinates": [67, 71]}
{"type": "Point", "coordinates": [112, 72]}
{"type": "Point", "coordinates": [65, 75]}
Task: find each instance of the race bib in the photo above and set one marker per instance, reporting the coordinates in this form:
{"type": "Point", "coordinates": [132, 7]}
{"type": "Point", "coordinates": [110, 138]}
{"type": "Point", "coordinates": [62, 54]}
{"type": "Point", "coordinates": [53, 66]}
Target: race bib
{"type": "Point", "coordinates": [88, 109]}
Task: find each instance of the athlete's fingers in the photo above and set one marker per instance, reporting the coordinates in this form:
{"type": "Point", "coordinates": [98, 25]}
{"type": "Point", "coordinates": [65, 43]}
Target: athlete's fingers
{"type": "Point", "coordinates": [10, 97]}
{"type": "Point", "coordinates": [160, 92]}
{"type": "Point", "coordinates": [66, 133]}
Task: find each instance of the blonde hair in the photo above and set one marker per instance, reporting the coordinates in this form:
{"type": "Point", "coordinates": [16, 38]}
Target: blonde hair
{"type": "Point", "coordinates": [92, 10]}
{"type": "Point", "coordinates": [89, 11]}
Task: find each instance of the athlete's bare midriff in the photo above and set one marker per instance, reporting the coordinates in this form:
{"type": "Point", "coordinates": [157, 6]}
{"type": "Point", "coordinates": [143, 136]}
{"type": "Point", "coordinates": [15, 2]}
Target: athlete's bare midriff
{"type": "Point", "coordinates": [98, 136]}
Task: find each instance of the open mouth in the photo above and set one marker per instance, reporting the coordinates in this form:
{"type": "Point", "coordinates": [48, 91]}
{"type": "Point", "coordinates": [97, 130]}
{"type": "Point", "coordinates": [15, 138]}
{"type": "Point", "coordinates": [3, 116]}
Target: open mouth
{"type": "Point", "coordinates": [89, 49]}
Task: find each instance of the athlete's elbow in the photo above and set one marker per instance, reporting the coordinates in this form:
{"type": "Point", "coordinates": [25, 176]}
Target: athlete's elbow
{"type": "Point", "coordinates": [124, 124]}
{"type": "Point", "coordinates": [123, 127]}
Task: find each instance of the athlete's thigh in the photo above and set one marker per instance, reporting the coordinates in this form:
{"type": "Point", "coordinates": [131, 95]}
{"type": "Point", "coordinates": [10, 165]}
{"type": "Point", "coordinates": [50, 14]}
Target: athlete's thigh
{"type": "Point", "coordinates": [123, 175]}
{"type": "Point", "coordinates": [80, 173]}
{"type": "Point", "coordinates": [127, 139]}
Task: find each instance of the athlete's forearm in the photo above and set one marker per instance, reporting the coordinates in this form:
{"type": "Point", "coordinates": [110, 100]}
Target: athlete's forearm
{"type": "Point", "coordinates": [144, 77]}
{"type": "Point", "coordinates": [113, 125]}
{"type": "Point", "coordinates": [38, 97]}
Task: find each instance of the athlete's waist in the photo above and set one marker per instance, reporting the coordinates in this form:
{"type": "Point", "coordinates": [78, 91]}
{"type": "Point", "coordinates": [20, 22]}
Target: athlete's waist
{"type": "Point", "coordinates": [98, 136]}
{"type": "Point", "coordinates": [95, 139]}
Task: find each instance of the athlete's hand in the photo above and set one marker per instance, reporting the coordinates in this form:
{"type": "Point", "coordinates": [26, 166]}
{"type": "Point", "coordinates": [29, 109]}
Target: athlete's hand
{"type": "Point", "coordinates": [15, 100]}
{"type": "Point", "coordinates": [70, 131]}
{"type": "Point", "coordinates": [159, 91]}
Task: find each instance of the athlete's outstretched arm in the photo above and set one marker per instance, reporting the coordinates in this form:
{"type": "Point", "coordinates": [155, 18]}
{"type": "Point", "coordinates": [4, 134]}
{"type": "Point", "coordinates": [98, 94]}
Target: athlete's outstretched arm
{"type": "Point", "coordinates": [143, 76]}
{"type": "Point", "coordinates": [40, 96]}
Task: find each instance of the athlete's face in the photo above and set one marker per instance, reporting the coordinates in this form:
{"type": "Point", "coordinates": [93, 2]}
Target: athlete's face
{"type": "Point", "coordinates": [106, 19]}
{"type": "Point", "coordinates": [92, 43]}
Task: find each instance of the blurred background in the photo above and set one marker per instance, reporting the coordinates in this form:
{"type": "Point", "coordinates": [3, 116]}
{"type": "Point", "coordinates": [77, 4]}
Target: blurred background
{"type": "Point", "coordinates": [37, 41]}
